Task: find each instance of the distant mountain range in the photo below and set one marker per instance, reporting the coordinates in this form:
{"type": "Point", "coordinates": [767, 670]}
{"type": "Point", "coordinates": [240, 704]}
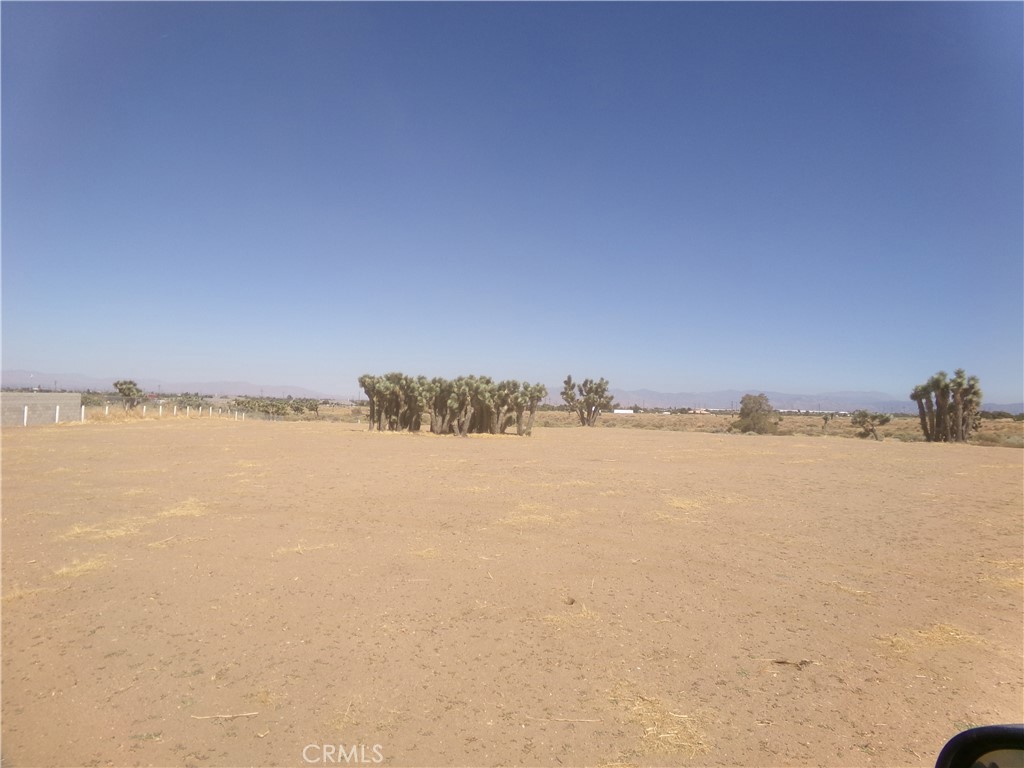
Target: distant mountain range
{"type": "Point", "coordinates": [17, 379]}
{"type": "Point", "coordinates": [645, 398]}
{"type": "Point", "coordinates": [826, 401]}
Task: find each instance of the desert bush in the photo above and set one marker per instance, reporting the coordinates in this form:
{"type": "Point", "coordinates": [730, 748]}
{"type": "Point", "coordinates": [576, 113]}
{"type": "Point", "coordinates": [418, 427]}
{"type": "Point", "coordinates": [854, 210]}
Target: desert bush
{"type": "Point", "coordinates": [999, 440]}
{"type": "Point", "coordinates": [869, 422]}
{"type": "Point", "coordinates": [757, 415]}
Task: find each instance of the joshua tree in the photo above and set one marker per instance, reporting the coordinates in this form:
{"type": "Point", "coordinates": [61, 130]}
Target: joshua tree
{"type": "Point", "coordinates": [528, 397]}
{"type": "Point", "coordinates": [130, 391]}
{"type": "Point", "coordinates": [948, 408]}
{"type": "Point", "coordinates": [588, 399]}
{"type": "Point", "coordinates": [920, 395]}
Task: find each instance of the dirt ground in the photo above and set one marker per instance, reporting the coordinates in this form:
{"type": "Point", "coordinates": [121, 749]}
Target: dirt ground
{"type": "Point", "coordinates": [217, 592]}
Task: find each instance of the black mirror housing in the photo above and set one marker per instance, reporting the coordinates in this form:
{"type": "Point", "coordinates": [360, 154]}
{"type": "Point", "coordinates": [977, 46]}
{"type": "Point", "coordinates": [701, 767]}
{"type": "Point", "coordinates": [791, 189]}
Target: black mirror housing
{"type": "Point", "coordinates": [966, 749]}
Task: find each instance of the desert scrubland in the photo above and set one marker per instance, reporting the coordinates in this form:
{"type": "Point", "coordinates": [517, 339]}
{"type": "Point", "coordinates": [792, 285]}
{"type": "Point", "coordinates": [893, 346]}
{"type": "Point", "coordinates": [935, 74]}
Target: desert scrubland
{"type": "Point", "coordinates": [218, 592]}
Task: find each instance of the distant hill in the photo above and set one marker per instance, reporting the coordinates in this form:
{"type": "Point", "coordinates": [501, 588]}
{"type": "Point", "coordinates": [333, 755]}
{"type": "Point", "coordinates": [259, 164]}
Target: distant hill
{"type": "Point", "coordinates": [77, 382]}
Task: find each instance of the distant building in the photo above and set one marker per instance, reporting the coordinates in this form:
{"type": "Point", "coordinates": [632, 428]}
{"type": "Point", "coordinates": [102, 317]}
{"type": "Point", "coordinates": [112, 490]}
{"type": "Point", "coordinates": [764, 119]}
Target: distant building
{"type": "Point", "coordinates": [623, 410]}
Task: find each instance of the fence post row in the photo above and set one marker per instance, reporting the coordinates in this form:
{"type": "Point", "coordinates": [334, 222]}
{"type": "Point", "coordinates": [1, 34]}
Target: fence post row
{"type": "Point", "coordinates": [237, 415]}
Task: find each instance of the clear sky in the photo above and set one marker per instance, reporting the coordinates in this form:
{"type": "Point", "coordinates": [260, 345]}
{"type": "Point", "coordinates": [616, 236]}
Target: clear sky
{"type": "Point", "coordinates": [796, 197]}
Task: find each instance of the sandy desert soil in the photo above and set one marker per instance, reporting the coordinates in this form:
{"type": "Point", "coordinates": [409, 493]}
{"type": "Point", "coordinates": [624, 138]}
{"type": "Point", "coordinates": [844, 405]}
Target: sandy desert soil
{"type": "Point", "coordinates": [582, 597]}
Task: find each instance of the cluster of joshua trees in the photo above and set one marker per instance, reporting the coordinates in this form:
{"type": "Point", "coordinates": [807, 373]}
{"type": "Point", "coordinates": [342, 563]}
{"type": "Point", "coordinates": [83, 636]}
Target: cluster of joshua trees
{"type": "Point", "coordinates": [458, 406]}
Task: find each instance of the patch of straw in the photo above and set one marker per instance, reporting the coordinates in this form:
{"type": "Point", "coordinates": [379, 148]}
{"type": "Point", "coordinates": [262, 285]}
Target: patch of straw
{"type": "Point", "coordinates": [700, 501]}
{"type": "Point", "coordinates": [301, 549]}
{"type": "Point", "coordinates": [934, 636]}
{"type": "Point", "coordinates": [19, 593]}
{"type": "Point", "coordinates": [188, 508]}
{"type": "Point", "coordinates": [572, 618]}
{"type": "Point", "coordinates": [78, 568]}
{"type": "Point", "coordinates": [115, 530]}
{"type": "Point", "coordinates": [172, 541]}
{"type": "Point", "coordinates": [523, 520]}
{"type": "Point", "coordinates": [848, 590]}
{"type": "Point", "coordinates": [430, 553]}
{"type": "Point", "coordinates": [661, 729]}
{"type": "Point", "coordinates": [533, 507]}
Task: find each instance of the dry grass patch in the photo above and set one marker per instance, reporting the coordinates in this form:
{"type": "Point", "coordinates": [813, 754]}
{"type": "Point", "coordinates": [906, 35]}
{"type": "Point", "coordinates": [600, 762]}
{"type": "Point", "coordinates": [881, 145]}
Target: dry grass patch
{"type": "Point", "coordinates": [263, 697]}
{"type": "Point", "coordinates": [934, 636]}
{"type": "Point", "coordinates": [78, 568]}
{"type": "Point", "coordinates": [533, 507]}
{"type": "Point", "coordinates": [355, 715]}
{"type": "Point", "coordinates": [700, 501]}
{"type": "Point", "coordinates": [574, 483]}
{"type": "Point", "coordinates": [115, 530]}
{"type": "Point", "coordinates": [521, 521]}
{"type": "Point", "coordinates": [430, 553]}
{"type": "Point", "coordinates": [18, 592]}
{"type": "Point", "coordinates": [662, 729]}
{"type": "Point", "coordinates": [301, 549]}
{"type": "Point", "coordinates": [1010, 573]}
{"type": "Point", "coordinates": [174, 540]}
{"type": "Point", "coordinates": [189, 508]}
{"type": "Point", "coordinates": [573, 617]}
{"type": "Point", "coordinates": [849, 590]}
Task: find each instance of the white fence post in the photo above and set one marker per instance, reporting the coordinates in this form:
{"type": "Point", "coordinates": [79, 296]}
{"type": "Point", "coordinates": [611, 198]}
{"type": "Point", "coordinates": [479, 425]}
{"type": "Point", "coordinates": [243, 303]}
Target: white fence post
{"type": "Point", "coordinates": [143, 410]}
{"type": "Point", "coordinates": [160, 412]}
{"type": "Point", "coordinates": [175, 411]}
{"type": "Point", "coordinates": [83, 414]}
{"type": "Point", "coordinates": [24, 421]}
{"type": "Point", "coordinates": [188, 410]}
{"type": "Point", "coordinates": [106, 410]}
{"type": "Point", "coordinates": [56, 415]}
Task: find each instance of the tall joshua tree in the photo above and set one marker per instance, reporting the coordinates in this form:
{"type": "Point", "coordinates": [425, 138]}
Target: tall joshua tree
{"type": "Point", "coordinates": [966, 394]}
{"type": "Point", "coordinates": [948, 408]}
{"type": "Point", "coordinates": [588, 398]}
{"type": "Point", "coordinates": [919, 396]}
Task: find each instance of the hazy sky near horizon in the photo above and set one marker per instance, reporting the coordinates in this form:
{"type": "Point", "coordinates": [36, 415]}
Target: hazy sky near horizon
{"type": "Point", "coordinates": [796, 197]}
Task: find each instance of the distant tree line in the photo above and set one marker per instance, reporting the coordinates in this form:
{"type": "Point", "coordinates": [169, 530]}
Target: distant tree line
{"type": "Point", "coordinates": [949, 409]}
{"type": "Point", "coordinates": [278, 406]}
{"type": "Point", "coordinates": [1001, 415]}
{"type": "Point", "coordinates": [460, 406]}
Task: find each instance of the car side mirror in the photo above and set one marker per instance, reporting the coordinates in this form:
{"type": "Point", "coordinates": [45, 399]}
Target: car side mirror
{"type": "Point", "coordinates": [992, 746]}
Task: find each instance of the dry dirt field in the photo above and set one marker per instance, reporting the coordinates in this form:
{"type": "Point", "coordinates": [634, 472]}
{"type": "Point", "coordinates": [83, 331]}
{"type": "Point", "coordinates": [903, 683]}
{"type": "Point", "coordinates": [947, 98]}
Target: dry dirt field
{"type": "Point", "coordinates": [216, 592]}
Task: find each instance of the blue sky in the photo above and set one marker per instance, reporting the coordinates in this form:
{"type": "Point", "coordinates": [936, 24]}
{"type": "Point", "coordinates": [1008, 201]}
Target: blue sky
{"type": "Point", "coordinates": [796, 197]}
